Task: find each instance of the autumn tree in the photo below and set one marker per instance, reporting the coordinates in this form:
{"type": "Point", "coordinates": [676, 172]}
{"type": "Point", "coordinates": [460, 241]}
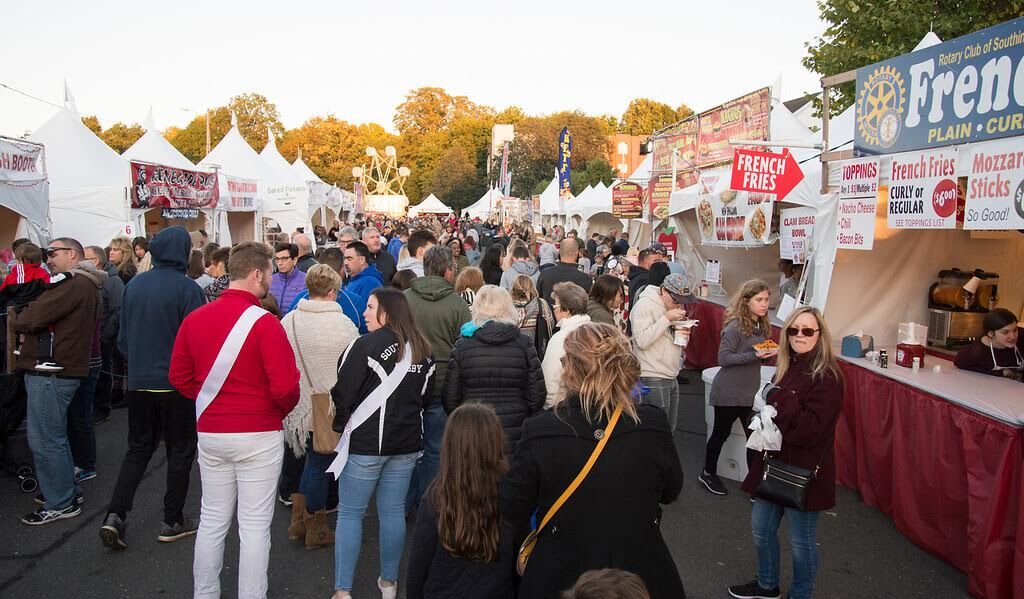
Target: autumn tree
{"type": "Point", "coordinates": [644, 116]}
{"type": "Point", "coordinates": [331, 146]}
{"type": "Point", "coordinates": [93, 124]}
{"type": "Point", "coordinates": [596, 171]}
{"type": "Point", "coordinates": [535, 151]}
{"type": "Point", "coordinates": [254, 112]}
{"type": "Point", "coordinates": [431, 109]}
{"type": "Point", "coordinates": [859, 33]}
{"type": "Point", "coordinates": [455, 178]}
{"type": "Point", "coordinates": [120, 136]}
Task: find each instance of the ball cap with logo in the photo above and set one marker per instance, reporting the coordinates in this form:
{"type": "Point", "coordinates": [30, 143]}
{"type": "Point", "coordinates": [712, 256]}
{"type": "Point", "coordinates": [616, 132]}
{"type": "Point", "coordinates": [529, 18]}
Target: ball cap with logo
{"type": "Point", "coordinates": [675, 285]}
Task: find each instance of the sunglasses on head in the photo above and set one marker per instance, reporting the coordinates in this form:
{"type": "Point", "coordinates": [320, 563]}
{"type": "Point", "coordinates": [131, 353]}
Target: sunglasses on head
{"type": "Point", "coordinates": [805, 331]}
{"type": "Point", "coordinates": [51, 252]}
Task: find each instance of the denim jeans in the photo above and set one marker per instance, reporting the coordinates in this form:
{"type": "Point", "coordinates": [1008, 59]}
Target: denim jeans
{"type": "Point", "coordinates": [315, 483]}
{"type": "Point", "coordinates": [81, 434]}
{"type": "Point", "coordinates": [664, 394]}
{"type": "Point", "coordinates": [389, 475]}
{"type": "Point", "coordinates": [237, 468]}
{"type": "Point", "coordinates": [434, 421]}
{"type": "Point", "coordinates": [765, 517]}
{"type": "Point", "coordinates": [48, 401]}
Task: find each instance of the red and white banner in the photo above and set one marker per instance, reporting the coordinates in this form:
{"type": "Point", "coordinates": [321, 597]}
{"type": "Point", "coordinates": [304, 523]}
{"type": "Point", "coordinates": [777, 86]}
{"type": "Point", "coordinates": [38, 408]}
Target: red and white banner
{"type": "Point", "coordinates": [20, 161]}
{"type": "Point", "coordinates": [922, 190]}
{"type": "Point", "coordinates": [859, 178]}
{"type": "Point", "coordinates": [241, 196]}
{"type": "Point", "coordinates": [765, 172]}
{"type": "Point", "coordinates": [995, 190]}
{"type": "Point", "coordinates": [155, 185]}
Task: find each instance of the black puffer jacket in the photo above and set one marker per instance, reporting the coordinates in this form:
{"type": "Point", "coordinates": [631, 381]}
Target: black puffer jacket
{"type": "Point", "coordinates": [498, 366]}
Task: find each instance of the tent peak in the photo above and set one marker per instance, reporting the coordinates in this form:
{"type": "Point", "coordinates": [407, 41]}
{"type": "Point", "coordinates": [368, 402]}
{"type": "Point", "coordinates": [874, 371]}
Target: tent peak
{"type": "Point", "coordinates": [149, 124]}
{"type": "Point", "coordinates": [69, 100]}
{"type": "Point", "coordinates": [234, 119]}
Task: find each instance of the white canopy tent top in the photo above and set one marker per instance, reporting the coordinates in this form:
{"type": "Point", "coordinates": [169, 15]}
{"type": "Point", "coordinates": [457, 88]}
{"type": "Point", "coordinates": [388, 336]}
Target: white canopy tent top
{"type": "Point", "coordinates": [303, 171]}
{"type": "Point", "coordinates": [483, 207]}
{"type": "Point", "coordinates": [287, 195]}
{"type": "Point", "coordinates": [431, 205]}
{"type": "Point", "coordinates": [549, 203]}
{"type": "Point", "coordinates": [88, 180]}
{"type": "Point", "coordinates": [154, 147]}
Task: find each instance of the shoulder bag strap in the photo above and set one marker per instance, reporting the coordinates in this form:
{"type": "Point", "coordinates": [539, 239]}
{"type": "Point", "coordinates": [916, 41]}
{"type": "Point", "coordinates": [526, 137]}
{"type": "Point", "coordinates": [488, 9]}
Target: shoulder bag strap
{"type": "Point", "coordinates": [585, 471]}
{"type": "Point", "coordinates": [298, 350]}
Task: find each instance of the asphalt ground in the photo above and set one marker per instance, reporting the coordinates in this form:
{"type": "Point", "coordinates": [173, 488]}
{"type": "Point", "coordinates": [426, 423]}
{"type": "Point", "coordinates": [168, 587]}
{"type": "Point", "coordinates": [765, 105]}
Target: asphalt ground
{"type": "Point", "coordinates": [862, 554]}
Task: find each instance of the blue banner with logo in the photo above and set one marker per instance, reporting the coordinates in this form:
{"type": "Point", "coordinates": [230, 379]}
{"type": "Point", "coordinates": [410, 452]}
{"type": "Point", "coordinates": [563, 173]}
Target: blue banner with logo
{"type": "Point", "coordinates": [564, 155]}
{"type": "Point", "coordinates": [965, 90]}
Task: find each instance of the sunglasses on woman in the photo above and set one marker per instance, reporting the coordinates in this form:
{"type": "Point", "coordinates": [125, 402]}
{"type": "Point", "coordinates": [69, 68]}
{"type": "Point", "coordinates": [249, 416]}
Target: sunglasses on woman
{"type": "Point", "coordinates": [805, 331]}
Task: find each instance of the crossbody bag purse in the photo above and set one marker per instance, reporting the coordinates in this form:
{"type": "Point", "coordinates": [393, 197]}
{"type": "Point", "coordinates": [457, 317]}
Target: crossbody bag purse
{"type": "Point", "coordinates": [526, 549]}
{"type": "Point", "coordinates": [786, 484]}
{"type": "Point", "coordinates": [324, 438]}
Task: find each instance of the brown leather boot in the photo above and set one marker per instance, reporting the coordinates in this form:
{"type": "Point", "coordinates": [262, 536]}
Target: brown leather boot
{"type": "Point", "coordinates": [297, 528]}
{"type": "Point", "coordinates": [317, 533]}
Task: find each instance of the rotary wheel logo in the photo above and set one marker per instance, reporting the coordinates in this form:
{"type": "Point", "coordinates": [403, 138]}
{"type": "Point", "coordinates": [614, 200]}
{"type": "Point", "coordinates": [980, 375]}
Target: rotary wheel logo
{"type": "Point", "coordinates": [880, 107]}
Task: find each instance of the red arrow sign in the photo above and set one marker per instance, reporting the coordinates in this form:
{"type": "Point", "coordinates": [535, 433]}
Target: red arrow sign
{"type": "Point", "coordinates": [765, 172]}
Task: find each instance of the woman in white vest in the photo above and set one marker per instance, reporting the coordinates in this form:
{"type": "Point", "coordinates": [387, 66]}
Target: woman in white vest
{"type": "Point", "coordinates": [379, 401]}
{"type": "Point", "coordinates": [318, 332]}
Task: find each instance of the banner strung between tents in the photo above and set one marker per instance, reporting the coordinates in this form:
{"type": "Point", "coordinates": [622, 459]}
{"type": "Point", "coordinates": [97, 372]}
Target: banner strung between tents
{"type": "Point", "coordinates": [241, 194]}
{"type": "Point", "coordinates": [20, 161]}
{"type": "Point", "coordinates": [743, 118]}
{"type": "Point", "coordinates": [155, 185]}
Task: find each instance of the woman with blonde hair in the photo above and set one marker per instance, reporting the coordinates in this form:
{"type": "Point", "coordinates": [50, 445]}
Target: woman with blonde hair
{"type": "Point", "coordinates": [461, 547]}
{"type": "Point", "coordinates": [612, 519]}
{"type": "Point", "coordinates": [536, 320]}
{"type": "Point", "coordinates": [318, 332]}
{"type": "Point", "coordinates": [494, 363]}
{"type": "Point", "coordinates": [808, 397]}
{"type": "Point", "coordinates": [469, 281]}
{"type": "Point", "coordinates": [122, 255]}
{"type": "Point", "coordinates": [732, 392]}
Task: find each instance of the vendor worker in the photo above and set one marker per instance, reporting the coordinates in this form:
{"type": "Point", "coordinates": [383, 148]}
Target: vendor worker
{"type": "Point", "coordinates": [999, 351]}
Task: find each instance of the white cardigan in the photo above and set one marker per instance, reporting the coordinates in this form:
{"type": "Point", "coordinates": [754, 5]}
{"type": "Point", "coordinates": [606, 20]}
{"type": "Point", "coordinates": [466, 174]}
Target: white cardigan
{"type": "Point", "coordinates": [324, 332]}
{"type": "Point", "coordinates": [652, 336]}
{"type": "Point", "coordinates": [552, 364]}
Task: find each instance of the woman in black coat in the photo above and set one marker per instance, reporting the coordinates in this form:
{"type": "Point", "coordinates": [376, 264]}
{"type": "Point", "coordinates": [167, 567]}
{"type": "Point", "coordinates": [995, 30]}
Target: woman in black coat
{"type": "Point", "coordinates": [613, 519]}
{"type": "Point", "coordinates": [496, 364]}
{"type": "Point", "coordinates": [491, 264]}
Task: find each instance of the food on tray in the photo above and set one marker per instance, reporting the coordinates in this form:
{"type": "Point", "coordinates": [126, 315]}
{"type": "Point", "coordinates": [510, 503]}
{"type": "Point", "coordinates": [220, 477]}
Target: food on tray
{"type": "Point", "coordinates": [766, 345]}
{"type": "Point", "coordinates": [757, 223]}
{"type": "Point", "coordinates": [706, 218]}
{"type": "Point", "coordinates": [728, 196]}
{"type": "Point", "coordinates": [661, 211]}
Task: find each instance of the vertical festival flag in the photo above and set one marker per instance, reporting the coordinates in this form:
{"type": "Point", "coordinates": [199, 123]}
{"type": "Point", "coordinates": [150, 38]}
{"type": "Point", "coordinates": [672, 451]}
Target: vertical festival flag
{"type": "Point", "coordinates": [564, 155]}
{"type": "Point", "coordinates": [506, 180]}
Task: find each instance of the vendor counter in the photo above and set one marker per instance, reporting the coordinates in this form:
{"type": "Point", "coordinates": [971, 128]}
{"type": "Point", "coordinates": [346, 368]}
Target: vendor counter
{"type": "Point", "coordinates": [942, 453]}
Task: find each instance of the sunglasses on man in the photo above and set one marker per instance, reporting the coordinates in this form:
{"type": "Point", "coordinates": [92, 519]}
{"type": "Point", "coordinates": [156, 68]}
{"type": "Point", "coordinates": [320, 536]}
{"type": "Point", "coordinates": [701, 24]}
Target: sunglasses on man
{"type": "Point", "coordinates": [805, 331]}
{"type": "Point", "coordinates": [51, 252]}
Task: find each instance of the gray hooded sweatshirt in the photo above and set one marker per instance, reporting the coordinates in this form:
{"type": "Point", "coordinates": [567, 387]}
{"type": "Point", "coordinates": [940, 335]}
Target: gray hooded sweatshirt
{"type": "Point", "coordinates": [519, 267]}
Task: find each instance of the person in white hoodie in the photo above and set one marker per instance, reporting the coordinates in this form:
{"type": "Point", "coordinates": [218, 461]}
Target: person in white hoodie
{"type": "Point", "coordinates": [651, 320]}
{"type": "Point", "coordinates": [522, 264]}
{"type": "Point", "coordinates": [419, 242]}
{"type": "Point", "coordinates": [570, 307]}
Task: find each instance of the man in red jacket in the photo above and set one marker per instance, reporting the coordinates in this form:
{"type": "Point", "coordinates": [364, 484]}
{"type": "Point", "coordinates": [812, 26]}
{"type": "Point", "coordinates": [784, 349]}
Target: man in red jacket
{"type": "Point", "coordinates": [233, 357]}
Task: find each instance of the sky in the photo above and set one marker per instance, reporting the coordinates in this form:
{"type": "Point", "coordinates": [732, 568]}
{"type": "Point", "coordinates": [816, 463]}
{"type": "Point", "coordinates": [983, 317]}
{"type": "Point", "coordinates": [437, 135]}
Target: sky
{"type": "Point", "coordinates": [359, 60]}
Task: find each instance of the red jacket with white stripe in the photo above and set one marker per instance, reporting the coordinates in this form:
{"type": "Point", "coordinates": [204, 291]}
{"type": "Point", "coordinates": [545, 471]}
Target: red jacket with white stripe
{"type": "Point", "coordinates": [263, 385]}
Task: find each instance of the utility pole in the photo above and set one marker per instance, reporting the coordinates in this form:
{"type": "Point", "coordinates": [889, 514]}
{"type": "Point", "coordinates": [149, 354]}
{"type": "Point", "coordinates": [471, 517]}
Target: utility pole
{"type": "Point", "coordinates": [207, 131]}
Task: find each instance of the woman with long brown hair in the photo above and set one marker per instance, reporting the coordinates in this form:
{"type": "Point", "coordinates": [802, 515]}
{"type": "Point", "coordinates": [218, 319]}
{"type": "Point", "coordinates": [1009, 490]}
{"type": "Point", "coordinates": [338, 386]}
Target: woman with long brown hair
{"type": "Point", "coordinates": [732, 392]}
{"type": "Point", "coordinates": [379, 401]}
{"type": "Point", "coordinates": [461, 546]}
{"type": "Point", "coordinates": [612, 519]}
{"type": "Point", "coordinates": [808, 399]}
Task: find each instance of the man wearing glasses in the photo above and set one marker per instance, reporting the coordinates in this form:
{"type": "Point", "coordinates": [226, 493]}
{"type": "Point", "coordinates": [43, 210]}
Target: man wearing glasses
{"type": "Point", "coordinates": [288, 281]}
{"type": "Point", "coordinates": [72, 311]}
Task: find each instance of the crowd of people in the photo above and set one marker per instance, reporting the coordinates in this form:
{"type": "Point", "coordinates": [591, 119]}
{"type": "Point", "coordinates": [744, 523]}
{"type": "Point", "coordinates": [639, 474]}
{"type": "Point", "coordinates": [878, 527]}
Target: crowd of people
{"type": "Point", "coordinates": [488, 384]}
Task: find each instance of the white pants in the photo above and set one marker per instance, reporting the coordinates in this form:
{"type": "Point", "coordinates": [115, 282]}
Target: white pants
{"type": "Point", "coordinates": [243, 467]}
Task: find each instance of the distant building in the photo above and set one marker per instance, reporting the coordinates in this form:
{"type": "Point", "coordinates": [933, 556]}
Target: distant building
{"type": "Point", "coordinates": [623, 152]}
{"type": "Point", "coordinates": [499, 135]}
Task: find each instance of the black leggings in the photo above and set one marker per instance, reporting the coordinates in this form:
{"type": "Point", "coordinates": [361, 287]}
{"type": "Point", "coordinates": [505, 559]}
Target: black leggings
{"type": "Point", "coordinates": [724, 417]}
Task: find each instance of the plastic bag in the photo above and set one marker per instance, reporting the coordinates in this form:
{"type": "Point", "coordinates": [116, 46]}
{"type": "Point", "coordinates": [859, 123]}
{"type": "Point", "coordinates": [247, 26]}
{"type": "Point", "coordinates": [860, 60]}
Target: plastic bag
{"type": "Point", "coordinates": [765, 436]}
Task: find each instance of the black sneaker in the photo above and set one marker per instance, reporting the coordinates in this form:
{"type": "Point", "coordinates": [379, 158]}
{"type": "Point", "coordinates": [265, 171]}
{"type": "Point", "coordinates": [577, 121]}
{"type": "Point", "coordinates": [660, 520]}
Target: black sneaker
{"type": "Point", "coordinates": [114, 532]}
{"type": "Point", "coordinates": [712, 483]}
{"type": "Point", "coordinates": [78, 500]}
{"type": "Point", "coordinates": [752, 590]}
{"type": "Point", "coordinates": [172, 532]}
{"type": "Point", "coordinates": [44, 516]}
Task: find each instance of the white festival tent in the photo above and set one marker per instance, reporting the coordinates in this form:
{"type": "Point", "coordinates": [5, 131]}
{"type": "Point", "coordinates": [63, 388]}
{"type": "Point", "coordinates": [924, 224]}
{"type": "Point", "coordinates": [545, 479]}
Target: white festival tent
{"type": "Point", "coordinates": [483, 207]}
{"type": "Point", "coordinates": [431, 205]}
{"type": "Point", "coordinates": [326, 202]}
{"type": "Point", "coordinates": [287, 195]}
{"type": "Point", "coordinates": [303, 171]}
{"type": "Point", "coordinates": [235, 158]}
{"type": "Point", "coordinates": [550, 204]}
{"type": "Point", "coordinates": [88, 180]}
{"type": "Point", "coordinates": [24, 192]}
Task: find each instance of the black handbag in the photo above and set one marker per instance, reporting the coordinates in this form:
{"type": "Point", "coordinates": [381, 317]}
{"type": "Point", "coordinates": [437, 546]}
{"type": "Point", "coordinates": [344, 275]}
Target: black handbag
{"type": "Point", "coordinates": [784, 483]}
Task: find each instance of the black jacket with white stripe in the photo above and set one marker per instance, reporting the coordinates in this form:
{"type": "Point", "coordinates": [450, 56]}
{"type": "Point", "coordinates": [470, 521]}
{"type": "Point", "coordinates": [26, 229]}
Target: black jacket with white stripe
{"type": "Point", "coordinates": [358, 378]}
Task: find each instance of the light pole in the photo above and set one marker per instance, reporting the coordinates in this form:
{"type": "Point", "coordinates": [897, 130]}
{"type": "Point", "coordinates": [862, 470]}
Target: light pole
{"type": "Point", "coordinates": [197, 113]}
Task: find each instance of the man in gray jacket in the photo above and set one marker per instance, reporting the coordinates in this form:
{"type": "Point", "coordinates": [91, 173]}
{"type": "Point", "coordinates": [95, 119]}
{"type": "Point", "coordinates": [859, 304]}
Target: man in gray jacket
{"type": "Point", "coordinates": [522, 264]}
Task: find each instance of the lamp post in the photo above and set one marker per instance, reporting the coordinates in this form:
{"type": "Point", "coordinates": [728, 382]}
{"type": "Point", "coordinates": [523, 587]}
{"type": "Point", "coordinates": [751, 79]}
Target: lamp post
{"type": "Point", "coordinates": [197, 113]}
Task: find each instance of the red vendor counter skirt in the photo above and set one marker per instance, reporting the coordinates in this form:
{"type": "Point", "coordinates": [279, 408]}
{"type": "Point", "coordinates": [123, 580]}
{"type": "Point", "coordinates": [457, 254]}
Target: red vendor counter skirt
{"type": "Point", "coordinates": [702, 350]}
{"type": "Point", "coordinates": [951, 479]}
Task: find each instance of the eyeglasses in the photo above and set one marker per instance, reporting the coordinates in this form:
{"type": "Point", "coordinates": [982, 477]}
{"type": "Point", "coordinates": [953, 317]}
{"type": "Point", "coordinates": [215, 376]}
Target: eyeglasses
{"type": "Point", "coordinates": [805, 331]}
{"type": "Point", "coordinates": [51, 252]}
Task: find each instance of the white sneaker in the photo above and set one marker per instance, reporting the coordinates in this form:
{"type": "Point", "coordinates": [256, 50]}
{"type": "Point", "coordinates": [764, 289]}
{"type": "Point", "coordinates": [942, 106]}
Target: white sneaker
{"type": "Point", "coordinates": [48, 367]}
{"type": "Point", "coordinates": [387, 592]}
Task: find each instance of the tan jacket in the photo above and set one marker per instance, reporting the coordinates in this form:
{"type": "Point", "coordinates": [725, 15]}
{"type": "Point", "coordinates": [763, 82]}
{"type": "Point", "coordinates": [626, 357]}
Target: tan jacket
{"type": "Point", "coordinates": [652, 336]}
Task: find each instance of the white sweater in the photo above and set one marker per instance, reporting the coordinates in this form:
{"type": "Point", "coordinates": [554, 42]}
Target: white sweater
{"type": "Point", "coordinates": [324, 332]}
{"type": "Point", "coordinates": [652, 336]}
{"type": "Point", "coordinates": [552, 364]}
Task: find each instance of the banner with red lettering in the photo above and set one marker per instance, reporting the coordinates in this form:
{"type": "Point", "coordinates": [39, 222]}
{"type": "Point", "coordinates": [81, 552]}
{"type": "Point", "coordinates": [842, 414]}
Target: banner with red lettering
{"type": "Point", "coordinates": [241, 194]}
{"type": "Point", "coordinates": [745, 117]}
{"type": "Point", "coordinates": [628, 200]}
{"type": "Point", "coordinates": [155, 185]}
{"type": "Point", "coordinates": [796, 227]}
{"type": "Point", "coordinates": [995, 189]}
{"type": "Point", "coordinates": [20, 161]}
{"type": "Point", "coordinates": [923, 190]}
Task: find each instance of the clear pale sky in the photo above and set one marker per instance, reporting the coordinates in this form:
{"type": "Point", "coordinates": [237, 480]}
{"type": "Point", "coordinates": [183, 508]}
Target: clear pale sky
{"type": "Point", "coordinates": [358, 60]}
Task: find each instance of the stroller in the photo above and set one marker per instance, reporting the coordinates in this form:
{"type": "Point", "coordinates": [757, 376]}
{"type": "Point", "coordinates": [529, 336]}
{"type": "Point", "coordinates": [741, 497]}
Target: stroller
{"type": "Point", "coordinates": [15, 455]}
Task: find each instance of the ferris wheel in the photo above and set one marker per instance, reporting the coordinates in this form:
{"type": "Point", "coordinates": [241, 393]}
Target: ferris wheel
{"type": "Point", "coordinates": [383, 176]}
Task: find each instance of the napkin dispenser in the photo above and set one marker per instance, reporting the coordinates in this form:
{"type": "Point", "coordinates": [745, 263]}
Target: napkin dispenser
{"type": "Point", "coordinates": [856, 346]}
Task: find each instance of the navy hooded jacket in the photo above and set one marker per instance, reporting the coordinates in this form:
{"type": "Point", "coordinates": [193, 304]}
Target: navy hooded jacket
{"type": "Point", "coordinates": [155, 303]}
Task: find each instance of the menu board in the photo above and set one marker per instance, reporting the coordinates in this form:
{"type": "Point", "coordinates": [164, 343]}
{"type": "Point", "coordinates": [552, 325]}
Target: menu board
{"type": "Point", "coordinates": [995, 189]}
{"type": "Point", "coordinates": [922, 190]}
{"type": "Point", "coordinates": [796, 226]}
{"type": "Point", "coordinates": [682, 136]}
{"type": "Point", "coordinates": [858, 178]}
{"type": "Point", "coordinates": [743, 118]}
{"type": "Point", "coordinates": [735, 218]}
{"type": "Point", "coordinates": [660, 189]}
{"type": "Point", "coordinates": [628, 200]}
{"type": "Point", "coordinates": [856, 204]}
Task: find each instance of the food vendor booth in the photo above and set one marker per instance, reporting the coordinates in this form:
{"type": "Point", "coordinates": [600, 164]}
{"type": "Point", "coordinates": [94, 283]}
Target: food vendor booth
{"type": "Point", "coordinates": [242, 181]}
{"type": "Point", "coordinates": [24, 192]}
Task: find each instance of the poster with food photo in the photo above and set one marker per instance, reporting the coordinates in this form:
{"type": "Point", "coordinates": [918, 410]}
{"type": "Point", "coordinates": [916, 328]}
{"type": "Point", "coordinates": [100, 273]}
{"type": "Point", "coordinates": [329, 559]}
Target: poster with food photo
{"type": "Point", "coordinates": [735, 218]}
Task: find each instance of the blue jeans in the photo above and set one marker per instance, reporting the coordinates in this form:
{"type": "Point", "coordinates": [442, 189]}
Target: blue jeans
{"type": "Point", "coordinates": [81, 433]}
{"type": "Point", "coordinates": [48, 401]}
{"type": "Point", "coordinates": [434, 421]}
{"type": "Point", "coordinates": [765, 517]}
{"type": "Point", "coordinates": [389, 475]}
{"type": "Point", "coordinates": [315, 483]}
{"type": "Point", "coordinates": [664, 394]}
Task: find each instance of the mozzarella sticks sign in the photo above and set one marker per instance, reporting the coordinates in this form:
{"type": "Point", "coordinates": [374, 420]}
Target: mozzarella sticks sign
{"type": "Point", "coordinates": [995, 191]}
